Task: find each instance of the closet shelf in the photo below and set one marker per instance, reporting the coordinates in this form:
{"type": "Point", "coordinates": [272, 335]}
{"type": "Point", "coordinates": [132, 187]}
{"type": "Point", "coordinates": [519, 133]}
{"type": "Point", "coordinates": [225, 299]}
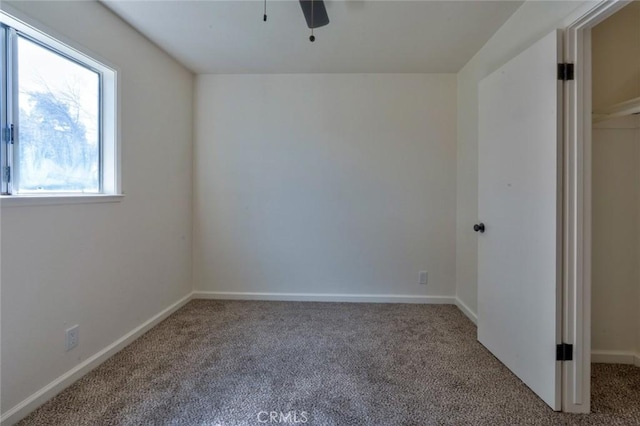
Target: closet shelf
{"type": "Point", "coordinates": [629, 107]}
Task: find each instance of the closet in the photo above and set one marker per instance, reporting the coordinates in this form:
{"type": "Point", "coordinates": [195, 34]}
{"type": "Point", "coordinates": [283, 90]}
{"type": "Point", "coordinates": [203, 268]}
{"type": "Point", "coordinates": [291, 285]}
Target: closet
{"type": "Point", "coordinates": [615, 323]}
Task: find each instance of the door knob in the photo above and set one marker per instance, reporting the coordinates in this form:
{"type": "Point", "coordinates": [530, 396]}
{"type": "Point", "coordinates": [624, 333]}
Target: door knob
{"type": "Point", "coordinates": [479, 227]}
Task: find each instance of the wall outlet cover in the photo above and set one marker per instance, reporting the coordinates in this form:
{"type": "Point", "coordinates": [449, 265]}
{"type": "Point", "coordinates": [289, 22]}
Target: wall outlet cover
{"type": "Point", "coordinates": [72, 337]}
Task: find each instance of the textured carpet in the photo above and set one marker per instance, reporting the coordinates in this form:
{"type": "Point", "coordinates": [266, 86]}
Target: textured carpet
{"type": "Point", "coordinates": [232, 363]}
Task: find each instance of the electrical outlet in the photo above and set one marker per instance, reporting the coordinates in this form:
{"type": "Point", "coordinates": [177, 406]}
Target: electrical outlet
{"type": "Point", "coordinates": [71, 337]}
{"type": "Point", "coordinates": [423, 277]}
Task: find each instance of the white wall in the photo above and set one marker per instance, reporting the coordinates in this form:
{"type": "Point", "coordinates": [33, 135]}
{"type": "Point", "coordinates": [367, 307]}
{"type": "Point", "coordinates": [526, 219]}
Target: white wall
{"type": "Point", "coordinates": [531, 22]}
{"type": "Point", "coordinates": [106, 267]}
{"type": "Point", "coordinates": [616, 232]}
{"type": "Point", "coordinates": [332, 184]}
{"type": "Point", "coordinates": [616, 58]}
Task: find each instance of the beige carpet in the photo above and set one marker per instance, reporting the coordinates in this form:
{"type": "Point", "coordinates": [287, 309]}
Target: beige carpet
{"type": "Point", "coordinates": [231, 363]}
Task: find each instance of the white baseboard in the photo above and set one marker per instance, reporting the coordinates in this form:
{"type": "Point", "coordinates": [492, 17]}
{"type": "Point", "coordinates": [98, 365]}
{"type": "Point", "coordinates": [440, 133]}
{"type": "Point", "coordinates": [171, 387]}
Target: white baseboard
{"type": "Point", "coordinates": [616, 357]}
{"type": "Point", "coordinates": [22, 409]}
{"type": "Point", "coordinates": [467, 311]}
{"type": "Point", "coordinates": [324, 297]}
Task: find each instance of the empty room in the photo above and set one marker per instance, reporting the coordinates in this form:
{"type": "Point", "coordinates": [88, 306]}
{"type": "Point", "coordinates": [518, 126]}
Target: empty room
{"type": "Point", "coordinates": [323, 212]}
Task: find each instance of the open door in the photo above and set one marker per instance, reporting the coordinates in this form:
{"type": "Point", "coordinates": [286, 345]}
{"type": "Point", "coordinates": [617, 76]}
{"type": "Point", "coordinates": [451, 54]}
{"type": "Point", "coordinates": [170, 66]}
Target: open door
{"type": "Point", "coordinates": [519, 190]}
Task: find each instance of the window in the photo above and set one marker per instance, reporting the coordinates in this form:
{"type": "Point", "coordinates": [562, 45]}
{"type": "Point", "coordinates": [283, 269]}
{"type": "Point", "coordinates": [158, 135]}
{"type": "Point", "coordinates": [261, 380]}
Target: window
{"type": "Point", "coordinates": [57, 115]}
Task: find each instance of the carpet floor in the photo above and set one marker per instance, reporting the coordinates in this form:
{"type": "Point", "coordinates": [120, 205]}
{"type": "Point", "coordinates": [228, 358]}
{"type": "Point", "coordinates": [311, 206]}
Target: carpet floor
{"type": "Point", "coordinates": [234, 362]}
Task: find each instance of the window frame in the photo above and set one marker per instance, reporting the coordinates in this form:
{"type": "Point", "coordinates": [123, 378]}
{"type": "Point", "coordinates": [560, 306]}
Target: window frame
{"type": "Point", "coordinates": [108, 121]}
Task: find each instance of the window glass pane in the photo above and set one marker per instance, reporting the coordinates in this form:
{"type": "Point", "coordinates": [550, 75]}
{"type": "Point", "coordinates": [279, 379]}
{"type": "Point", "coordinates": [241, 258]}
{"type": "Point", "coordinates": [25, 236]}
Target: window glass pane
{"type": "Point", "coordinates": [59, 148]}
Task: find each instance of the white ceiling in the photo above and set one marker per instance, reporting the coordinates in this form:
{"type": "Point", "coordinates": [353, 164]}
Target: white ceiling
{"type": "Point", "coordinates": [364, 36]}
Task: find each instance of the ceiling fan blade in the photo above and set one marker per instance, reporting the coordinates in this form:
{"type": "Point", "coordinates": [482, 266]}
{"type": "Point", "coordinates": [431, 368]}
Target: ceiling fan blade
{"type": "Point", "coordinates": [320, 17]}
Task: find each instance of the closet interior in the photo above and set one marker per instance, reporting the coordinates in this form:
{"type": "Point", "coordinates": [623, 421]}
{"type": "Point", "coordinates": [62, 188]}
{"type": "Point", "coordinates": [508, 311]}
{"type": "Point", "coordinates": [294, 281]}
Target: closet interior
{"type": "Point", "coordinates": [615, 294]}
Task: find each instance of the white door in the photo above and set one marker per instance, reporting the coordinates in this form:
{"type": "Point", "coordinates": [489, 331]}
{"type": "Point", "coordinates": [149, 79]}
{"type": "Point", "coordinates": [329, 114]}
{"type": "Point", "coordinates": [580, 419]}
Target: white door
{"type": "Point", "coordinates": [519, 254]}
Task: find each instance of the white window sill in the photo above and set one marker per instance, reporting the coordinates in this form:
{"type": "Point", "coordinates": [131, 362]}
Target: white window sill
{"type": "Point", "coordinates": [56, 200]}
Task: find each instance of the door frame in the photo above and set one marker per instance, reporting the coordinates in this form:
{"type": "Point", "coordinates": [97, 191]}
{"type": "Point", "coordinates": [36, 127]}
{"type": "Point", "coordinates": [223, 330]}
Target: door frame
{"type": "Point", "coordinates": [576, 319]}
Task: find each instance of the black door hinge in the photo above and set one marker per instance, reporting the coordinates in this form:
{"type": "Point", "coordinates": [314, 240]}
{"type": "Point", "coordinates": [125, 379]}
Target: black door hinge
{"type": "Point", "coordinates": [564, 352]}
{"type": "Point", "coordinates": [565, 72]}
{"type": "Point", "coordinates": [8, 134]}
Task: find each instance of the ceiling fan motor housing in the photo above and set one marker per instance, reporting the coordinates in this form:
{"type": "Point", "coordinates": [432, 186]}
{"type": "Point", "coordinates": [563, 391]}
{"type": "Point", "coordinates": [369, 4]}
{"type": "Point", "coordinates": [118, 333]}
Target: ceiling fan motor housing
{"type": "Point", "coordinates": [315, 13]}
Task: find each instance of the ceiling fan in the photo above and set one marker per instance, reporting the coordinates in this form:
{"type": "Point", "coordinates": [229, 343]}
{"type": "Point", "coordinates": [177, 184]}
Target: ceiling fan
{"type": "Point", "coordinates": [315, 13]}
